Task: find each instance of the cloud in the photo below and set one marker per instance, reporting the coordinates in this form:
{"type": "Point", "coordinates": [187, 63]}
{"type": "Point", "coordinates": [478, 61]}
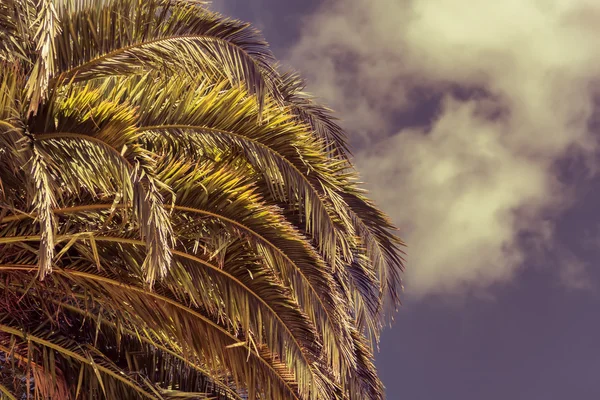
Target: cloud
{"type": "Point", "coordinates": [573, 273]}
{"type": "Point", "coordinates": [510, 87]}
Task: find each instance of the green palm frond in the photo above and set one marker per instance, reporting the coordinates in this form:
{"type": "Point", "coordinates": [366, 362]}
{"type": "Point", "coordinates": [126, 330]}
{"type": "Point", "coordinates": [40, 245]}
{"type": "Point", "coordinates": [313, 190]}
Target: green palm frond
{"type": "Point", "coordinates": [317, 116]}
{"type": "Point", "coordinates": [178, 220]}
{"type": "Point", "coordinates": [383, 249]}
{"type": "Point", "coordinates": [99, 140]}
{"type": "Point", "coordinates": [109, 38]}
{"type": "Point", "coordinates": [290, 160]}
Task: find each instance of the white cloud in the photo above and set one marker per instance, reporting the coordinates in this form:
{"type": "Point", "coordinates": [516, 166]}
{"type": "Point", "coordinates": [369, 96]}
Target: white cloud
{"type": "Point", "coordinates": [465, 186]}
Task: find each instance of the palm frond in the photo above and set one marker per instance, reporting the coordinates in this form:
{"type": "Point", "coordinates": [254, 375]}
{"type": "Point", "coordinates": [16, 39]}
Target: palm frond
{"type": "Point", "coordinates": [99, 141]}
{"type": "Point", "coordinates": [121, 37]}
{"type": "Point", "coordinates": [318, 117]}
{"type": "Point", "coordinates": [194, 215]}
{"type": "Point", "coordinates": [228, 197]}
{"type": "Point", "coordinates": [46, 27]}
{"type": "Point", "coordinates": [292, 165]}
{"type": "Point", "coordinates": [43, 203]}
{"type": "Point", "coordinates": [382, 247]}
{"type": "Point", "coordinates": [190, 328]}
{"type": "Point", "coordinates": [15, 17]}
{"type": "Point", "coordinates": [99, 372]}
{"type": "Point", "coordinates": [233, 284]}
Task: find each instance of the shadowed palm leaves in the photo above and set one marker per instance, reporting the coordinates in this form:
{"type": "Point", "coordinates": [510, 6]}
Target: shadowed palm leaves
{"type": "Point", "coordinates": [177, 218]}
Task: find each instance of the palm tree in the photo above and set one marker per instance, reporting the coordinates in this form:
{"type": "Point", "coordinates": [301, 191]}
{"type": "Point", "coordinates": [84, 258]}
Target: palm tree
{"type": "Point", "coordinates": [177, 218]}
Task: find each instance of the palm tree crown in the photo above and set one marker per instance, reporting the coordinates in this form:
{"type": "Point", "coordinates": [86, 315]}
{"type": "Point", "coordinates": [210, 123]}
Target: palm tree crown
{"type": "Point", "coordinates": [178, 219]}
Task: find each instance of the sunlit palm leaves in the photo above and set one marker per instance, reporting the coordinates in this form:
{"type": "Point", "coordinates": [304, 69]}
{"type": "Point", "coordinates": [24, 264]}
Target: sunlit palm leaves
{"type": "Point", "coordinates": [177, 218]}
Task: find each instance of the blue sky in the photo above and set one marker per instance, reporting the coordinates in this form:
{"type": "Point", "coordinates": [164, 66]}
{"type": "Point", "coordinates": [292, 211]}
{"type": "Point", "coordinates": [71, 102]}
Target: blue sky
{"type": "Point", "coordinates": [475, 128]}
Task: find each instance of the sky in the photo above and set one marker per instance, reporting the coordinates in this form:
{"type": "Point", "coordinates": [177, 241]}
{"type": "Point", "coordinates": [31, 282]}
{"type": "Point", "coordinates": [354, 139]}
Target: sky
{"type": "Point", "coordinates": [474, 126]}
